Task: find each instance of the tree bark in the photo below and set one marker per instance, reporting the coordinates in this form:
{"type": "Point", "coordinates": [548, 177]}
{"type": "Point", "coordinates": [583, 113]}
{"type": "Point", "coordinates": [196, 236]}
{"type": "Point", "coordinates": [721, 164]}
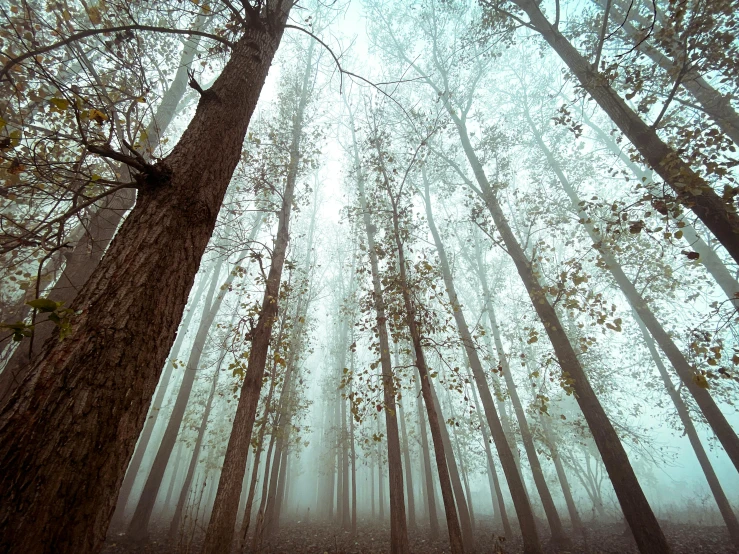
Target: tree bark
{"type": "Point", "coordinates": [428, 475]}
{"type": "Point", "coordinates": [70, 429]}
{"type": "Point", "coordinates": [691, 189]}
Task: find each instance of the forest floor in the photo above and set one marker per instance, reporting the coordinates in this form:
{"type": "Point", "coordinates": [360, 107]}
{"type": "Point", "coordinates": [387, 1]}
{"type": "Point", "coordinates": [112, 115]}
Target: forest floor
{"type": "Point", "coordinates": [320, 538]}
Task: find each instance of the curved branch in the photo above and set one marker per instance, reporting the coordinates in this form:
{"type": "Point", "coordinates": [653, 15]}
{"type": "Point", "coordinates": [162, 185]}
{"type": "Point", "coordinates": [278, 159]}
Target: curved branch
{"type": "Point", "coordinates": [92, 32]}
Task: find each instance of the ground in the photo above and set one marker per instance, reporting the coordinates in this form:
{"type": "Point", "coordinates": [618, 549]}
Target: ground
{"type": "Point", "coordinates": [320, 538]}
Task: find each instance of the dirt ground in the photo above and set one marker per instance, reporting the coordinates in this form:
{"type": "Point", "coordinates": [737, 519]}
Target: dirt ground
{"type": "Point", "coordinates": [320, 538]}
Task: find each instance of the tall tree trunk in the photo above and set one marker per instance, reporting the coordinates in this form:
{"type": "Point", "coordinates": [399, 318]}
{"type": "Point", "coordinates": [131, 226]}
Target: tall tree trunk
{"type": "Point", "coordinates": [641, 519]}
{"type": "Point", "coordinates": [353, 457]}
{"type": "Point", "coordinates": [398, 525]}
{"type": "Point", "coordinates": [513, 476]}
{"type": "Point", "coordinates": [96, 234]}
{"type": "Point", "coordinates": [428, 475]}
{"type": "Point", "coordinates": [710, 410]}
{"type": "Point", "coordinates": [727, 513]}
{"type": "Point", "coordinates": [219, 535]}
{"type": "Point", "coordinates": [691, 189]}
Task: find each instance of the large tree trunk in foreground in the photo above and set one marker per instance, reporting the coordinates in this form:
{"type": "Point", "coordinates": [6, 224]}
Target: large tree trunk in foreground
{"type": "Point", "coordinates": [138, 456]}
{"type": "Point", "coordinates": [638, 512]}
{"type": "Point", "coordinates": [70, 429]}
{"type": "Point", "coordinates": [515, 481]}
{"type": "Point", "coordinates": [691, 189]}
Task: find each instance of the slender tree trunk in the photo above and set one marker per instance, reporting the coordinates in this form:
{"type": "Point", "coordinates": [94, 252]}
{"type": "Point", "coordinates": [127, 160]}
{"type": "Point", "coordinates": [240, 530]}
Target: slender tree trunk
{"type": "Point", "coordinates": [727, 513]}
{"type": "Point", "coordinates": [708, 257]}
{"type": "Point", "coordinates": [710, 410]}
{"type": "Point", "coordinates": [398, 525]}
{"type": "Point", "coordinates": [219, 535]}
{"type": "Point", "coordinates": [577, 525]}
{"type": "Point", "coordinates": [643, 523]}
{"type": "Point", "coordinates": [175, 474]}
{"type": "Point", "coordinates": [68, 433]}
{"type": "Point", "coordinates": [515, 481]}
{"type": "Point", "coordinates": [408, 470]}
{"type": "Point", "coordinates": [495, 489]}
{"type": "Point", "coordinates": [177, 516]}
{"type": "Point", "coordinates": [716, 105]}
{"type": "Point", "coordinates": [429, 477]}
{"type": "Point", "coordinates": [691, 189]}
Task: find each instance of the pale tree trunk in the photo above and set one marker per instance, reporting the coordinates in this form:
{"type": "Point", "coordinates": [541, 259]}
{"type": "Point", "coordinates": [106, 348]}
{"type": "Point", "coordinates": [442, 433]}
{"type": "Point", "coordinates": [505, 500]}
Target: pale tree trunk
{"type": "Point", "coordinates": [428, 475]}
{"type": "Point", "coordinates": [495, 490]}
{"type": "Point", "coordinates": [502, 445]}
{"type": "Point", "coordinates": [462, 467]}
{"type": "Point", "coordinates": [71, 427]}
{"type": "Point", "coordinates": [641, 519]}
{"type": "Point", "coordinates": [119, 515]}
{"type": "Point", "coordinates": [712, 102]}
{"type": "Point", "coordinates": [398, 524]}
{"type": "Point", "coordinates": [95, 235]}
{"type": "Point", "coordinates": [710, 410]}
{"type": "Point", "coordinates": [408, 471]}
{"type": "Point", "coordinates": [219, 535]}
{"type": "Point", "coordinates": [562, 476]}
{"type": "Point", "coordinates": [727, 513]}
{"type": "Point", "coordinates": [691, 189]}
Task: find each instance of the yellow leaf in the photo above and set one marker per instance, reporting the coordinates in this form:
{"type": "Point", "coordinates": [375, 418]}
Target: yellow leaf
{"type": "Point", "coordinates": [98, 116]}
{"type": "Point", "coordinates": [2, 123]}
{"type": "Point", "coordinates": [700, 380]}
{"type": "Point", "coordinates": [94, 14]}
{"type": "Point", "coordinates": [59, 104]}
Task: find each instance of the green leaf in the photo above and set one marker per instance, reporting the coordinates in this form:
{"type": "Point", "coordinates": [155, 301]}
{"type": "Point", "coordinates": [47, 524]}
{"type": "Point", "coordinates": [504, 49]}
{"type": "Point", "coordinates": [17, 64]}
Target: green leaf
{"type": "Point", "coordinates": [44, 304]}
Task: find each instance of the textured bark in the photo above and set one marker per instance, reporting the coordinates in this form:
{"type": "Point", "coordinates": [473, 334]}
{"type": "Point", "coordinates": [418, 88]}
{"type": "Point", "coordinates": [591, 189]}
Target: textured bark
{"type": "Point", "coordinates": [70, 429]}
{"type": "Point", "coordinates": [515, 482]}
{"type": "Point", "coordinates": [691, 189]}
{"type": "Point", "coordinates": [219, 535]}
{"type": "Point", "coordinates": [398, 524]}
{"type": "Point", "coordinates": [641, 519]}
{"type": "Point", "coordinates": [710, 410]}
{"type": "Point", "coordinates": [155, 409]}
{"type": "Point", "coordinates": [138, 528]}
{"type": "Point", "coordinates": [727, 513]}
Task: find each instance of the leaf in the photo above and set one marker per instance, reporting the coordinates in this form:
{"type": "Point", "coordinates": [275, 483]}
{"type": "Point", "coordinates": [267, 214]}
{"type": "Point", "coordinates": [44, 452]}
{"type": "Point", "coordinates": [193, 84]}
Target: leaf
{"type": "Point", "coordinates": [44, 304]}
{"type": "Point", "coordinates": [98, 116]}
{"type": "Point", "coordinates": [700, 380]}
{"type": "Point", "coordinates": [59, 104]}
{"type": "Point", "coordinates": [94, 14]}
